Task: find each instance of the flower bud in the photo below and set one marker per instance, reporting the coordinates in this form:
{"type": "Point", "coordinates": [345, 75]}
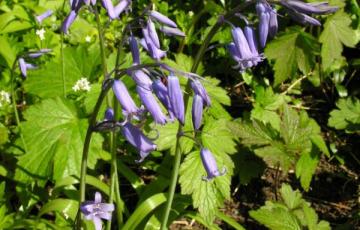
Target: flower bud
{"type": "Point", "coordinates": [134, 50]}
{"type": "Point", "coordinates": [172, 31]}
{"type": "Point", "coordinates": [264, 28]}
{"type": "Point", "coordinates": [109, 114]}
{"type": "Point", "coordinates": [121, 6]}
{"type": "Point", "coordinates": [152, 33]}
{"type": "Point", "coordinates": [68, 21]}
{"type": "Point", "coordinates": [161, 92]}
{"type": "Point", "coordinates": [109, 8]}
{"type": "Point", "coordinates": [201, 91]}
{"type": "Point", "coordinates": [141, 79]}
{"type": "Point", "coordinates": [197, 111]}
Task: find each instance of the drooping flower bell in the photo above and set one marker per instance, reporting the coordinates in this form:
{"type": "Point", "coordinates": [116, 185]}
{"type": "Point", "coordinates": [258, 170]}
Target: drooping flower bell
{"type": "Point", "coordinates": [137, 139]}
{"type": "Point", "coordinates": [162, 19]}
{"type": "Point", "coordinates": [148, 44]}
{"type": "Point", "coordinates": [134, 48]}
{"type": "Point", "coordinates": [121, 7]}
{"type": "Point", "coordinates": [141, 79]}
{"type": "Point", "coordinates": [43, 16]}
{"type": "Point", "coordinates": [24, 66]}
{"type": "Point", "coordinates": [68, 21]}
{"type": "Point", "coordinates": [267, 21]}
{"type": "Point", "coordinates": [210, 165]}
{"type": "Point", "coordinates": [197, 111]}
{"type": "Point", "coordinates": [240, 50]}
{"type": "Point", "coordinates": [96, 210]}
{"type": "Point", "coordinates": [172, 31]}
{"type": "Point", "coordinates": [201, 91]}
{"type": "Point", "coordinates": [161, 93]}
{"type": "Point", "coordinates": [107, 4]}
{"type": "Point", "coordinates": [128, 105]}
{"type": "Point", "coordinates": [109, 114]}
{"type": "Point", "coordinates": [38, 53]}
{"type": "Point", "coordinates": [176, 98]}
{"type": "Point", "coordinates": [299, 10]}
{"type": "Point", "coordinates": [151, 105]}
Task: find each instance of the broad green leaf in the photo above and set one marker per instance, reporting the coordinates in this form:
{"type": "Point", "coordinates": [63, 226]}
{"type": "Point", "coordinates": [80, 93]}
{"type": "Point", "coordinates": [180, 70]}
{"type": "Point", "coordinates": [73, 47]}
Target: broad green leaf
{"type": "Point", "coordinates": [276, 217]}
{"type": "Point", "coordinates": [207, 195]}
{"type": "Point", "coordinates": [48, 80]}
{"type": "Point", "coordinates": [54, 136]}
{"type": "Point", "coordinates": [66, 207]}
{"type": "Point", "coordinates": [291, 198]}
{"type": "Point", "coordinates": [7, 51]}
{"type": "Point", "coordinates": [227, 219]}
{"type": "Point", "coordinates": [305, 168]}
{"type": "Point", "coordinates": [217, 137]}
{"type": "Point", "coordinates": [347, 116]}
{"type": "Point", "coordinates": [291, 51]}
{"type": "Point", "coordinates": [337, 31]}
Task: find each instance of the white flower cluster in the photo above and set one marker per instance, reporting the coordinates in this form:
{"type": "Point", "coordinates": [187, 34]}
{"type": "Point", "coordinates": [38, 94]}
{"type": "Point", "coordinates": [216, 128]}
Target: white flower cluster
{"type": "Point", "coordinates": [4, 98]}
{"type": "Point", "coordinates": [82, 85]}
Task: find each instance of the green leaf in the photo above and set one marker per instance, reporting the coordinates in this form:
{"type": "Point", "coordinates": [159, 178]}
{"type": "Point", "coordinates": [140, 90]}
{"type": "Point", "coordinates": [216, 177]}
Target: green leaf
{"type": "Point", "coordinates": [48, 81]}
{"type": "Point", "coordinates": [66, 207]}
{"type": "Point", "coordinates": [217, 137]}
{"type": "Point", "coordinates": [291, 51]}
{"type": "Point", "coordinates": [276, 217]}
{"type": "Point", "coordinates": [337, 31]}
{"type": "Point", "coordinates": [143, 210]}
{"type": "Point", "coordinates": [291, 198]}
{"type": "Point", "coordinates": [54, 136]}
{"type": "Point", "coordinates": [347, 116]}
{"type": "Point", "coordinates": [7, 51]}
{"type": "Point", "coordinates": [305, 168]}
{"type": "Point", "coordinates": [207, 195]}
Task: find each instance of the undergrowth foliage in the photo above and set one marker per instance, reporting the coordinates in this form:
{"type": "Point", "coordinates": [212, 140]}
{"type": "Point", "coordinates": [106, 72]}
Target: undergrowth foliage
{"type": "Point", "coordinates": [120, 114]}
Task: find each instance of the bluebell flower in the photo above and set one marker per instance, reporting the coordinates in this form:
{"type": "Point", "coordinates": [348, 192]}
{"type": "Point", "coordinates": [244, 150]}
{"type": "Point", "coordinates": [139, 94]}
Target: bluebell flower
{"type": "Point", "coordinates": [134, 48]}
{"type": "Point", "coordinates": [298, 10]}
{"type": "Point", "coordinates": [24, 66]}
{"type": "Point", "coordinates": [38, 53]}
{"type": "Point", "coordinates": [121, 7]}
{"type": "Point", "coordinates": [68, 21]}
{"type": "Point", "coordinates": [176, 98]}
{"type": "Point", "coordinates": [128, 105]}
{"type": "Point", "coordinates": [109, 114]}
{"type": "Point", "coordinates": [148, 44]}
{"type": "Point", "coordinates": [268, 24]}
{"type": "Point", "coordinates": [96, 210]}
{"type": "Point", "coordinates": [162, 19]}
{"type": "Point", "coordinates": [43, 16]}
{"type": "Point", "coordinates": [151, 105]}
{"type": "Point", "coordinates": [107, 4]}
{"type": "Point", "coordinates": [201, 91]}
{"type": "Point", "coordinates": [210, 165]}
{"type": "Point", "coordinates": [161, 93]}
{"type": "Point", "coordinates": [172, 31]}
{"type": "Point", "coordinates": [197, 111]}
{"type": "Point", "coordinates": [137, 139]}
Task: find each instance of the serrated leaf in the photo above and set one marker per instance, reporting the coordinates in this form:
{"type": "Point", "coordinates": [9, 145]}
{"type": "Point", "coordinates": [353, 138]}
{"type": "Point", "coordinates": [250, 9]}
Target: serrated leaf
{"type": "Point", "coordinates": [337, 31]}
{"type": "Point", "coordinates": [291, 198]}
{"type": "Point", "coordinates": [66, 207]}
{"type": "Point", "coordinates": [54, 136]}
{"type": "Point", "coordinates": [276, 217]}
{"type": "Point", "coordinates": [217, 137]}
{"type": "Point", "coordinates": [207, 195]}
{"type": "Point", "coordinates": [347, 116]}
{"type": "Point", "coordinates": [305, 168]}
{"type": "Point", "coordinates": [48, 81]}
{"type": "Point", "coordinates": [291, 51]}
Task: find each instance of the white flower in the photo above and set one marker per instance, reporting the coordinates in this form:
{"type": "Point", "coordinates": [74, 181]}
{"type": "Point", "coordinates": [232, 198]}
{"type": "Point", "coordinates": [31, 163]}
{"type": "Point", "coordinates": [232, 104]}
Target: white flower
{"type": "Point", "coordinates": [4, 98]}
{"type": "Point", "coordinates": [88, 38]}
{"type": "Point", "coordinates": [41, 33]}
{"type": "Point", "coordinates": [82, 85]}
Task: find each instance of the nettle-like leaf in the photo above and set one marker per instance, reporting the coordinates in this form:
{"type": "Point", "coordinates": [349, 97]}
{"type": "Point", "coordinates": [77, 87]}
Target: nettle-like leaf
{"type": "Point", "coordinates": [265, 106]}
{"type": "Point", "coordinates": [208, 196]}
{"type": "Point", "coordinates": [337, 32]}
{"type": "Point", "coordinates": [54, 135]}
{"type": "Point", "coordinates": [292, 213]}
{"type": "Point", "coordinates": [296, 144]}
{"type": "Point", "coordinates": [48, 81]}
{"type": "Point", "coordinates": [347, 116]}
{"type": "Point", "coordinates": [291, 51]}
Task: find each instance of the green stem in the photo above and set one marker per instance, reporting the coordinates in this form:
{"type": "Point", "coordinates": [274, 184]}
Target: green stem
{"type": "Point", "coordinates": [86, 149]}
{"type": "Point", "coordinates": [13, 101]}
{"type": "Point", "coordinates": [178, 152]}
{"type": "Point", "coordinates": [62, 56]}
{"type": "Point", "coordinates": [102, 43]}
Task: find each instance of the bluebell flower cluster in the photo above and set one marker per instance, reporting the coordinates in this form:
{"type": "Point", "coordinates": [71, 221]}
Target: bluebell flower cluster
{"type": "Point", "coordinates": [24, 66]}
{"type": "Point", "coordinates": [244, 48]}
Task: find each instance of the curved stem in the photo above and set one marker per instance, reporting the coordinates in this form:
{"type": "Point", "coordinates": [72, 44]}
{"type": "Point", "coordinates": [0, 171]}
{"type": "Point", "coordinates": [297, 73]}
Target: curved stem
{"type": "Point", "coordinates": [13, 101]}
{"type": "Point", "coordinates": [62, 56]}
{"type": "Point", "coordinates": [178, 153]}
{"type": "Point", "coordinates": [89, 132]}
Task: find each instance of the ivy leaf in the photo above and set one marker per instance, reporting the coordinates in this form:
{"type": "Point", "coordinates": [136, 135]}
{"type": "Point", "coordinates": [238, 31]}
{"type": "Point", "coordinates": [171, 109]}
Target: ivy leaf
{"type": "Point", "coordinates": [347, 116]}
{"type": "Point", "coordinates": [337, 31]}
{"type": "Point", "coordinates": [54, 136]}
{"type": "Point", "coordinates": [207, 195]}
{"type": "Point", "coordinates": [291, 51]}
{"type": "Point", "coordinates": [48, 81]}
